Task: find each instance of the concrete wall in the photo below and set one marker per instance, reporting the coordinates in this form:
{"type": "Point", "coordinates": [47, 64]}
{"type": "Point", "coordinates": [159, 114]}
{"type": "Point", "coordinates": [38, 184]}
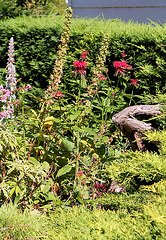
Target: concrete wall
{"type": "Point", "coordinates": [136, 10]}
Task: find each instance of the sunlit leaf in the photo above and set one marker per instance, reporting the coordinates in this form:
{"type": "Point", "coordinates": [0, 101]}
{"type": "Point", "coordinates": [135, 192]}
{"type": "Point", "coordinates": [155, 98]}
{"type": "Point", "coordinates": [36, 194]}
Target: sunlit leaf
{"type": "Point", "coordinates": [33, 161]}
{"type": "Point", "coordinates": [67, 168]}
{"type": "Point", "coordinates": [75, 115]}
{"type": "Point", "coordinates": [46, 165]}
{"type": "Point", "coordinates": [68, 145]}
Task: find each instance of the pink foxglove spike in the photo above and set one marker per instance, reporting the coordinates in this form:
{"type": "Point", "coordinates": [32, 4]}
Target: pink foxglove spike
{"type": "Point", "coordinates": [7, 95]}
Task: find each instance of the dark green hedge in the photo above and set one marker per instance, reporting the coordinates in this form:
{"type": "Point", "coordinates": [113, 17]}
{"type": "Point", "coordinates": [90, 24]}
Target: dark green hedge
{"type": "Point", "coordinates": [37, 39]}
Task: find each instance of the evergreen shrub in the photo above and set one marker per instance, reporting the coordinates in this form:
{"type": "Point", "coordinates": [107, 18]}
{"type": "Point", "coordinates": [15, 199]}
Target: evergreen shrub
{"type": "Point", "coordinates": [16, 224]}
{"type": "Point", "coordinates": [82, 224]}
{"type": "Point", "coordinates": [137, 168]}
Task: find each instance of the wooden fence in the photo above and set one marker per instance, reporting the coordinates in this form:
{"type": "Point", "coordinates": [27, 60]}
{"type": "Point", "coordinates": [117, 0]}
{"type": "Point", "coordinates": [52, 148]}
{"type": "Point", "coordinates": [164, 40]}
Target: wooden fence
{"type": "Point", "coordinates": [135, 10]}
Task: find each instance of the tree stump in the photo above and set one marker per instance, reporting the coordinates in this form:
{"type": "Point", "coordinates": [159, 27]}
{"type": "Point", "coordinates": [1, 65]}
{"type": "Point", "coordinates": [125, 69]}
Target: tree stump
{"type": "Point", "coordinates": [134, 129]}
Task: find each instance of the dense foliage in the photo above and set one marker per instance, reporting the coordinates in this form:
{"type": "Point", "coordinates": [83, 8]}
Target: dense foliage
{"type": "Point", "coordinates": [65, 152]}
{"type": "Point", "coordinates": [37, 40]}
{"type": "Point", "coordinates": [15, 8]}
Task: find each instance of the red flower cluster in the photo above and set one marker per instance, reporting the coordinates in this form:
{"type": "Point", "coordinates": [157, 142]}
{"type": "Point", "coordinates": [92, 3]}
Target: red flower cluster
{"type": "Point", "coordinates": [134, 82]}
{"type": "Point", "coordinates": [80, 67]}
{"type": "Point", "coordinates": [58, 94]}
{"type": "Point", "coordinates": [80, 173]}
{"type": "Point", "coordinates": [99, 189]}
{"type": "Point", "coordinates": [123, 54]}
{"type": "Point", "coordinates": [83, 54]}
{"type": "Point", "coordinates": [121, 66]}
{"type": "Point", "coordinates": [102, 77]}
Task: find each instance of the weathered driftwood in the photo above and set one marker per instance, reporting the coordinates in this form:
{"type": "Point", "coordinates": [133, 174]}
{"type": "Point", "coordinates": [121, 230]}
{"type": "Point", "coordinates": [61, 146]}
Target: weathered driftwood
{"type": "Point", "coordinates": [116, 187]}
{"type": "Point", "coordinates": [133, 129]}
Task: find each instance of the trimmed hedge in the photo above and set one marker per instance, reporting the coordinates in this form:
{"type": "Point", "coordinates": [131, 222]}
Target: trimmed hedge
{"type": "Point", "coordinates": [37, 39]}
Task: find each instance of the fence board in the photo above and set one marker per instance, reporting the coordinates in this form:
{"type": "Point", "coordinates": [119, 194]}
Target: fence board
{"type": "Point", "coordinates": [116, 3]}
{"type": "Point", "coordinates": [136, 10]}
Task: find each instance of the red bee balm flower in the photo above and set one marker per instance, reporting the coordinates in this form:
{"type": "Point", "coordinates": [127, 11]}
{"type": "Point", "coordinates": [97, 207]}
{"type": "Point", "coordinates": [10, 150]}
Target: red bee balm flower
{"type": "Point", "coordinates": [80, 67]}
{"type": "Point", "coordinates": [121, 66]}
{"type": "Point", "coordinates": [134, 82]}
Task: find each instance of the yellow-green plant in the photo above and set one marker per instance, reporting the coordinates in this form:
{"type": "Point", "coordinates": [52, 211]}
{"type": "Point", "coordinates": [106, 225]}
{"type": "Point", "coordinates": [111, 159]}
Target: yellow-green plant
{"type": "Point", "coordinates": [62, 53]}
{"type": "Point", "coordinates": [137, 168]}
{"type": "Point", "coordinates": [17, 224]}
{"type": "Point", "coordinates": [55, 7]}
{"type": "Point", "coordinates": [99, 66]}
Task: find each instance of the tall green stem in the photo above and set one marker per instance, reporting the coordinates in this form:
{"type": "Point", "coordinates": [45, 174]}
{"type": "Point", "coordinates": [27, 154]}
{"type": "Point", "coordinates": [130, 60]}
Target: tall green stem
{"type": "Point", "coordinates": [77, 143]}
{"type": "Point", "coordinates": [131, 96]}
{"type": "Point", "coordinates": [23, 120]}
{"type": "Point", "coordinates": [77, 157]}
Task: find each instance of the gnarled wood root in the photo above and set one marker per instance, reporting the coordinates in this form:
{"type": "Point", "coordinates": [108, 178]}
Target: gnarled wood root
{"type": "Point", "coordinates": [134, 129]}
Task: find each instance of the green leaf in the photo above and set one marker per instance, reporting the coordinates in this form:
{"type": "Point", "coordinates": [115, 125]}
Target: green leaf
{"type": "Point", "coordinates": [67, 168]}
{"type": "Point", "coordinates": [90, 131]}
{"type": "Point", "coordinates": [1, 148]}
{"type": "Point", "coordinates": [47, 206]}
{"type": "Point", "coordinates": [34, 112]}
{"type": "Point", "coordinates": [75, 115]}
{"type": "Point", "coordinates": [68, 145]}
{"type": "Point", "coordinates": [80, 200]}
{"type": "Point", "coordinates": [85, 130]}
{"type": "Point", "coordinates": [51, 197]}
{"type": "Point", "coordinates": [46, 165]}
{"type": "Point", "coordinates": [78, 129]}
{"type": "Point", "coordinates": [5, 193]}
{"type": "Point", "coordinates": [32, 123]}
{"type": "Point", "coordinates": [30, 135]}
{"type": "Point", "coordinates": [12, 191]}
{"type": "Point", "coordinates": [95, 106]}
{"type": "Point", "coordinates": [18, 190]}
{"type": "Point", "coordinates": [58, 109]}
{"type": "Point", "coordinates": [31, 176]}
{"type": "Point", "coordinates": [37, 98]}
{"type": "Point", "coordinates": [45, 188]}
{"type": "Point", "coordinates": [105, 139]}
{"type": "Point", "coordinates": [50, 118]}
{"type": "Point", "coordinates": [34, 135]}
{"type": "Point", "coordinates": [33, 161]}
{"type": "Point", "coordinates": [21, 176]}
{"type": "Point", "coordinates": [17, 199]}
{"type": "Point", "coordinates": [13, 155]}
{"type": "Point", "coordinates": [128, 96]}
